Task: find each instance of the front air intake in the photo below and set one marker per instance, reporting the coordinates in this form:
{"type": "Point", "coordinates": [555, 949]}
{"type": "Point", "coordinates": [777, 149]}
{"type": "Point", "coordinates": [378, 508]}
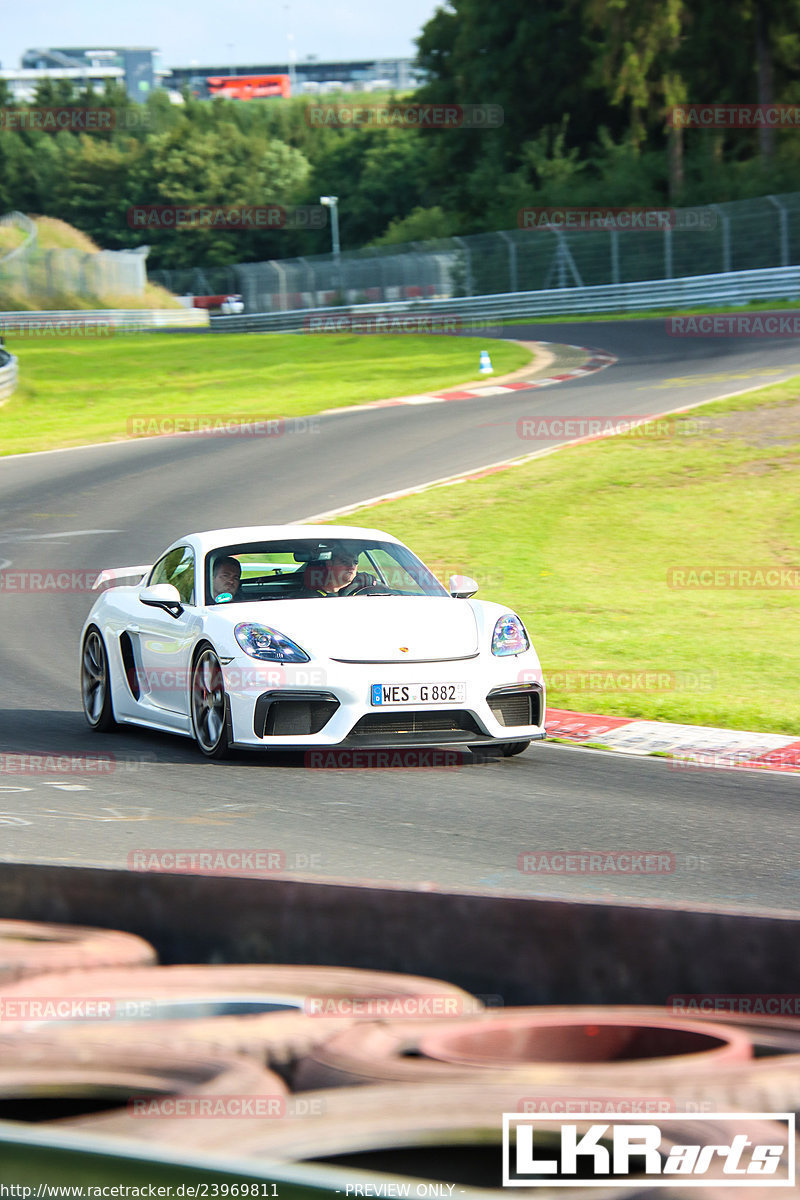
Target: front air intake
{"type": "Point", "coordinates": [293, 714]}
{"type": "Point", "coordinates": [516, 706]}
{"type": "Point", "coordinates": [399, 722]}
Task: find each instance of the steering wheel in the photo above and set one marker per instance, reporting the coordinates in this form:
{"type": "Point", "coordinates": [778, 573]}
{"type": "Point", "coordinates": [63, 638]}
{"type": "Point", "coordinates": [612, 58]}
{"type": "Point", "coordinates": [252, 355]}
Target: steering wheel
{"type": "Point", "coordinates": [372, 589]}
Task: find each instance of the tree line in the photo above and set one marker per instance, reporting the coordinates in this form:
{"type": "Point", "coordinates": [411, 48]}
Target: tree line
{"type": "Point", "coordinates": [585, 88]}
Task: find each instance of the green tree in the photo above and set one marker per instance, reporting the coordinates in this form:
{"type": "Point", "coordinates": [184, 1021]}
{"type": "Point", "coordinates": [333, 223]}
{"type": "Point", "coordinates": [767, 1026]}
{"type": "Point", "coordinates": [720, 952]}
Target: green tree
{"type": "Point", "coordinates": [421, 225]}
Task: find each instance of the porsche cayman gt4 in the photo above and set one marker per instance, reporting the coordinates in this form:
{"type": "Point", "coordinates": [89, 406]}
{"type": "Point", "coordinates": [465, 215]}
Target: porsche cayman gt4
{"type": "Point", "coordinates": [226, 639]}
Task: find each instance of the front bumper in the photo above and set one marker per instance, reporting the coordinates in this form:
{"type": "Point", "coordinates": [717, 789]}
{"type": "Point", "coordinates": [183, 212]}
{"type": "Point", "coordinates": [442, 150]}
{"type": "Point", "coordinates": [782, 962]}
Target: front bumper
{"type": "Point", "coordinates": [329, 705]}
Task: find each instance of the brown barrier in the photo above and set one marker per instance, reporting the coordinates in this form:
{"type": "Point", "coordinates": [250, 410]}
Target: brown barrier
{"type": "Point", "coordinates": [522, 950]}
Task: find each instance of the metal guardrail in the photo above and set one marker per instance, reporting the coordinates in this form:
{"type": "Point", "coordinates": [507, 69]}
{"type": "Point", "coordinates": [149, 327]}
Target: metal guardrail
{"type": "Point", "coordinates": [736, 287]}
{"type": "Point", "coordinates": [72, 321]}
{"type": "Point", "coordinates": [8, 374]}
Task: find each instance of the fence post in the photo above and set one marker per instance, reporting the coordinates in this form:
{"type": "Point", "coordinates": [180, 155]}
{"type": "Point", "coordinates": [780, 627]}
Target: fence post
{"type": "Point", "coordinates": [668, 273]}
{"type": "Point", "coordinates": [513, 285]}
{"type": "Point", "coordinates": [310, 281]}
{"type": "Point", "coordinates": [614, 234]}
{"type": "Point", "coordinates": [468, 255]}
{"type": "Point", "coordinates": [784, 229]}
{"type": "Point", "coordinates": [281, 285]}
{"type": "Point", "coordinates": [726, 237]}
{"type": "Point", "coordinates": [562, 260]}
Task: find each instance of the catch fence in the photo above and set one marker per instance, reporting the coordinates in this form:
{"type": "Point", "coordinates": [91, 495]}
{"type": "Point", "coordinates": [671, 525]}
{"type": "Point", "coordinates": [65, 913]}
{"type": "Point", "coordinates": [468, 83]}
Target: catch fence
{"type": "Point", "coordinates": [542, 255]}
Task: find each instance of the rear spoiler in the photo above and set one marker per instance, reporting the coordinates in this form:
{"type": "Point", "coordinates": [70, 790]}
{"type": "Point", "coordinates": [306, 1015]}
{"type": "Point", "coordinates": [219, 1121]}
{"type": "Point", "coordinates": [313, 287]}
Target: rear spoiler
{"type": "Point", "coordinates": [115, 576]}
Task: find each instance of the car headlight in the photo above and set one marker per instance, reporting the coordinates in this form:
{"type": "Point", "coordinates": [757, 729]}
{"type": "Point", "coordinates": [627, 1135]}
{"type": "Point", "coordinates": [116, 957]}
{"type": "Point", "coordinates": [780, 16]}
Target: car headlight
{"type": "Point", "coordinates": [259, 641]}
{"type": "Point", "coordinates": [509, 636]}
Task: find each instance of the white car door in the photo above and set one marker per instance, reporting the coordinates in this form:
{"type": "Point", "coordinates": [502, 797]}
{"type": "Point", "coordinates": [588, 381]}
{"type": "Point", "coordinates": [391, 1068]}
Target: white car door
{"type": "Point", "coordinates": [165, 642]}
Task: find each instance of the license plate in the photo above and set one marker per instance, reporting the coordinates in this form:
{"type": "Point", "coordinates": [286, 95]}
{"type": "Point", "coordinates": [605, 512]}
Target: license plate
{"type": "Point", "coordinates": [418, 693]}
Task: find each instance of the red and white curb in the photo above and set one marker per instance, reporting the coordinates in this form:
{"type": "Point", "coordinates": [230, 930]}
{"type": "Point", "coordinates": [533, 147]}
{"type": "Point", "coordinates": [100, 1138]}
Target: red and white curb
{"type": "Point", "coordinates": [689, 745]}
{"type": "Point", "coordinates": [597, 361]}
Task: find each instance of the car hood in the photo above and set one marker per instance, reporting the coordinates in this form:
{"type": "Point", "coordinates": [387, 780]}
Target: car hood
{"type": "Point", "coordinates": [372, 629]}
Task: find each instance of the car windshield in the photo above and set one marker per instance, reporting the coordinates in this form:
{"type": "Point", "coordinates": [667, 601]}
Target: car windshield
{"type": "Point", "coordinates": [307, 568]}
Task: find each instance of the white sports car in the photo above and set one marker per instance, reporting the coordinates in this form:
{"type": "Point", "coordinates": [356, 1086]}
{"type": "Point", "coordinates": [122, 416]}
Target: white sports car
{"type": "Point", "coordinates": [226, 640]}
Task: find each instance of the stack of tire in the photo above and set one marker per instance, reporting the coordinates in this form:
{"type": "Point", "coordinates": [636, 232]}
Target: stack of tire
{"type": "Point", "coordinates": [370, 1070]}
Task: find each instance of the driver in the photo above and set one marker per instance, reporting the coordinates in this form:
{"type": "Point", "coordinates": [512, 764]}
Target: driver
{"type": "Point", "coordinates": [338, 575]}
{"type": "Point", "coordinates": [226, 578]}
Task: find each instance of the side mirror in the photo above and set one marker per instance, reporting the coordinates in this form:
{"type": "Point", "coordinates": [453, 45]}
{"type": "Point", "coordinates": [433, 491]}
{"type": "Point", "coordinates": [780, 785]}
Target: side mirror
{"type": "Point", "coordinates": [162, 595]}
{"type": "Point", "coordinates": [461, 587]}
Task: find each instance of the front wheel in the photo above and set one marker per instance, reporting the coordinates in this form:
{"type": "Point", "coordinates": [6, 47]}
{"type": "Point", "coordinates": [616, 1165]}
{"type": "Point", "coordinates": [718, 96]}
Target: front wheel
{"type": "Point", "coordinates": [491, 751]}
{"type": "Point", "coordinates": [509, 749]}
{"type": "Point", "coordinates": [96, 684]}
{"type": "Point", "coordinates": [209, 708]}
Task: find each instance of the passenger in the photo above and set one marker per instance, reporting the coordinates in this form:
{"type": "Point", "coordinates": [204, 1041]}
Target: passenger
{"type": "Point", "coordinates": [227, 578]}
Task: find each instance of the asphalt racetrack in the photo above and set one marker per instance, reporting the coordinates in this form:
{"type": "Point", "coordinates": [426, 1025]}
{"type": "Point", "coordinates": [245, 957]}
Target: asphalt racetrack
{"type": "Point", "coordinates": [730, 831]}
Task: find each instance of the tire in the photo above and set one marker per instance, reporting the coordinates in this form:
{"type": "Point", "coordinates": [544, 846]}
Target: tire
{"type": "Point", "coordinates": [288, 1010]}
{"type": "Point", "coordinates": [96, 683]}
{"type": "Point", "coordinates": [46, 1078]}
{"type": "Point", "coordinates": [509, 749]}
{"type": "Point", "coordinates": [586, 1046]}
{"type": "Point", "coordinates": [35, 948]}
{"type": "Point", "coordinates": [415, 1130]}
{"type": "Point", "coordinates": [490, 751]}
{"type": "Point", "coordinates": [209, 705]}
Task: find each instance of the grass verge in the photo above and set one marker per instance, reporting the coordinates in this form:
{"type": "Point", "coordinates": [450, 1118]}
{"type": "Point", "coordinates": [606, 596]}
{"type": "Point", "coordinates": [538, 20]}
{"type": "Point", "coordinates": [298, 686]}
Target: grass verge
{"type": "Point", "coordinates": [585, 545]}
{"type": "Point", "coordinates": [74, 391]}
{"type": "Point", "coordinates": [651, 313]}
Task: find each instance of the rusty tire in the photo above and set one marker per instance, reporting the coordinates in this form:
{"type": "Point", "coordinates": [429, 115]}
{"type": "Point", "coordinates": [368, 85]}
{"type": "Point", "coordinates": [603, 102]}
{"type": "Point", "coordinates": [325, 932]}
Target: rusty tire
{"type": "Point", "coordinates": [278, 1005]}
{"type": "Point", "coordinates": [546, 1044]}
{"type": "Point", "coordinates": [36, 948]}
{"type": "Point", "coordinates": [413, 1127]}
{"type": "Point", "coordinates": [39, 1073]}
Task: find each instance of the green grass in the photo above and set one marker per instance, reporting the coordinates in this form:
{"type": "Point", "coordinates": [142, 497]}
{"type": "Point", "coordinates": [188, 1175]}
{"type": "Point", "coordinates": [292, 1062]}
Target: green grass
{"type": "Point", "coordinates": [73, 391]}
{"type": "Point", "coordinates": [10, 238]}
{"type": "Point", "coordinates": [649, 313]}
{"type": "Point", "coordinates": [580, 543]}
